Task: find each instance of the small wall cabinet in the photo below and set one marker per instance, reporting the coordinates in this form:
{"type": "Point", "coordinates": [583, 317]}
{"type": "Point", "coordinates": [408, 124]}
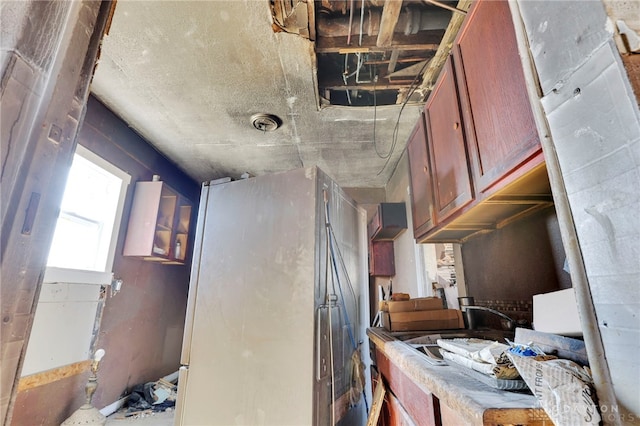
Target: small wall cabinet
{"type": "Point", "coordinates": [159, 224]}
{"type": "Point", "coordinates": [381, 259]}
{"type": "Point", "coordinates": [389, 221]}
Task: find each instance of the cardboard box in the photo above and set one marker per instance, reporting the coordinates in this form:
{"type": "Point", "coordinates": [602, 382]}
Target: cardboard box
{"type": "Point", "coordinates": [439, 319]}
{"type": "Point", "coordinates": [418, 304]}
{"type": "Point", "coordinates": [557, 313]}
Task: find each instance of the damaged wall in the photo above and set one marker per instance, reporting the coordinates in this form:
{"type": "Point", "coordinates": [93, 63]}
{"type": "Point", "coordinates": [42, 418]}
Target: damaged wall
{"type": "Point", "coordinates": [47, 50]}
{"type": "Point", "coordinates": [141, 328]}
{"type": "Point", "coordinates": [503, 269]}
{"type": "Point", "coordinates": [594, 121]}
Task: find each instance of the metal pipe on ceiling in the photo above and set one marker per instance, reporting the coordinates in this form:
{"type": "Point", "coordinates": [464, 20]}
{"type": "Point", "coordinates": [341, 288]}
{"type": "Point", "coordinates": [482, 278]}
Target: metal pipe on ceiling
{"type": "Point", "coordinates": [410, 21]}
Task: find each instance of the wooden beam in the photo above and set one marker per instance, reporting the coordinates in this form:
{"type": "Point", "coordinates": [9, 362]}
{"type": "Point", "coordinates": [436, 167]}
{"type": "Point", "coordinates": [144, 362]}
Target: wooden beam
{"type": "Point", "coordinates": [390, 15]}
{"type": "Point", "coordinates": [53, 375]}
{"type": "Point", "coordinates": [384, 83]}
{"type": "Point", "coordinates": [376, 405]}
{"type": "Point", "coordinates": [409, 72]}
{"type": "Point", "coordinates": [424, 40]}
{"type": "Point", "coordinates": [445, 6]}
{"type": "Point", "coordinates": [393, 61]}
{"type": "Point", "coordinates": [433, 69]}
{"type": "Point", "coordinates": [367, 86]}
{"type": "Point", "coordinates": [341, 406]}
{"type": "Point", "coordinates": [399, 61]}
{"type": "Point", "coordinates": [311, 11]}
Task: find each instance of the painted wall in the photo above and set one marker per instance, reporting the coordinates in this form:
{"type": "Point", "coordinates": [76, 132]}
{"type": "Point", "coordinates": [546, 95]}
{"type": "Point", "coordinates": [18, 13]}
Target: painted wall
{"type": "Point", "coordinates": [410, 272]}
{"type": "Point", "coordinates": [595, 126]}
{"type": "Point", "coordinates": [142, 325]}
{"type": "Point", "coordinates": [509, 265]}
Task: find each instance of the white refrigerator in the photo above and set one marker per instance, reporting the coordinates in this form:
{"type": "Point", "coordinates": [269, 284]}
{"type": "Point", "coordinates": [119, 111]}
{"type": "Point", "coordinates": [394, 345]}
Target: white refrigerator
{"type": "Point", "coordinates": [277, 305]}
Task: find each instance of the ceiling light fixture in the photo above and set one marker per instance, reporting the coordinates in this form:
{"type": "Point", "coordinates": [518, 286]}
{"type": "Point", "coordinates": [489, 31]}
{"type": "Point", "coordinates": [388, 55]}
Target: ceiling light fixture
{"type": "Point", "coordinates": [265, 122]}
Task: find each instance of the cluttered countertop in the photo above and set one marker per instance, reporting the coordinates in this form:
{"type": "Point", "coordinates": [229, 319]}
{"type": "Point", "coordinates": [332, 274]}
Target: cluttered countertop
{"type": "Point", "coordinates": [473, 400]}
{"type": "Point", "coordinates": [482, 376]}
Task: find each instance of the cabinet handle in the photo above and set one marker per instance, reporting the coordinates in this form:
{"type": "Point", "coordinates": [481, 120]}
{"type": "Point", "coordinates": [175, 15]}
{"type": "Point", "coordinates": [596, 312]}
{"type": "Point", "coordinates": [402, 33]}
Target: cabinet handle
{"type": "Point", "coordinates": [456, 125]}
{"type": "Point", "coordinates": [425, 169]}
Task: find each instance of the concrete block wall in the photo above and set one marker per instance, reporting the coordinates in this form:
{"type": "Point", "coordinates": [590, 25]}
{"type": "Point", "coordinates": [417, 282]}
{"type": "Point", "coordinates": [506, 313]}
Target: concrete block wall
{"type": "Point", "coordinates": [594, 121]}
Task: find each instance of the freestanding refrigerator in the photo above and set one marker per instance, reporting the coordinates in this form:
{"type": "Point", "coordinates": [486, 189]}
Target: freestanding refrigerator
{"type": "Point", "coordinates": [276, 304]}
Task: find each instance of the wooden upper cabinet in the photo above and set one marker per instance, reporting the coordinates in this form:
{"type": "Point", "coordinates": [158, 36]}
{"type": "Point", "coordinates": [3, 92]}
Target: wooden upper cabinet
{"type": "Point", "coordinates": [388, 222]}
{"type": "Point", "coordinates": [447, 147]}
{"type": "Point", "coordinates": [159, 224]}
{"type": "Point", "coordinates": [420, 176]}
{"type": "Point", "coordinates": [500, 127]}
{"type": "Point", "coordinates": [482, 164]}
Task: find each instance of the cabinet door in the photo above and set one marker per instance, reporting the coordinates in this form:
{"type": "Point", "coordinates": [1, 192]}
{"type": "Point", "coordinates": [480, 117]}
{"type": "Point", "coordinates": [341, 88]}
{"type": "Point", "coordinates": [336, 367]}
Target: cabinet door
{"type": "Point", "coordinates": [447, 147]}
{"type": "Point", "coordinates": [182, 227]}
{"type": "Point", "coordinates": [381, 259]}
{"type": "Point", "coordinates": [420, 175]}
{"type": "Point", "coordinates": [499, 123]}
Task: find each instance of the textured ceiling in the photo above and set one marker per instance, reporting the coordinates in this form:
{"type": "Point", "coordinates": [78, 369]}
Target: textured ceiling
{"type": "Point", "coordinates": [188, 76]}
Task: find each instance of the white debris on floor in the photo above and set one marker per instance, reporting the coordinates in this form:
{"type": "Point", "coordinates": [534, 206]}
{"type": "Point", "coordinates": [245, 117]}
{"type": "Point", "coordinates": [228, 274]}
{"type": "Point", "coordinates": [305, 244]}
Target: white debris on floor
{"type": "Point", "coordinates": [141, 418]}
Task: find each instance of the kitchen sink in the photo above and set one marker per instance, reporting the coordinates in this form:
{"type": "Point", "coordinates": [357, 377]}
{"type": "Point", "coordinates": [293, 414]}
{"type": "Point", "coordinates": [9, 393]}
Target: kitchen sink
{"type": "Point", "coordinates": [425, 342]}
{"type": "Point", "coordinates": [431, 336]}
{"type": "Point", "coordinates": [432, 352]}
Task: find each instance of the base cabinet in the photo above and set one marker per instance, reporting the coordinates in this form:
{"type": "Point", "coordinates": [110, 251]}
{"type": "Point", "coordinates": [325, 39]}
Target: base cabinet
{"type": "Point", "coordinates": [407, 401]}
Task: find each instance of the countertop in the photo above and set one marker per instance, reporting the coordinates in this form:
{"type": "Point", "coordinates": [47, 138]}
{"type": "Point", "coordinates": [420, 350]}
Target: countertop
{"type": "Point", "coordinates": [471, 399]}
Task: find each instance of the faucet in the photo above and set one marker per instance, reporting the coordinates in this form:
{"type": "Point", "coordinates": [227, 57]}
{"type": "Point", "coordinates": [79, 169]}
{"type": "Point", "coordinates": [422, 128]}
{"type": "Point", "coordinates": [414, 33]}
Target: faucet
{"type": "Point", "coordinates": [466, 304]}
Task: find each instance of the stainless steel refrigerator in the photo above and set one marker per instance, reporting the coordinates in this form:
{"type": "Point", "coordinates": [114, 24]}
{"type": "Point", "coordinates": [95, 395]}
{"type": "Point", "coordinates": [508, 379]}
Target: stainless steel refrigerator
{"type": "Point", "coordinates": [277, 304]}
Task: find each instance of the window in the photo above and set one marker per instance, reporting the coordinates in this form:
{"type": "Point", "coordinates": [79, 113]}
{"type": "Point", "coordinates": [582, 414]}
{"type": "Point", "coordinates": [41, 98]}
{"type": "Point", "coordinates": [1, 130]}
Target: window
{"type": "Point", "coordinates": [88, 223]}
{"type": "Point", "coordinates": [79, 264]}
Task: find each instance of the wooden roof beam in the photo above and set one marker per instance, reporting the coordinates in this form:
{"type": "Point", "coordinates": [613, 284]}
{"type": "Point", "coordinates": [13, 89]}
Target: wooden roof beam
{"type": "Point", "coordinates": [390, 15]}
{"type": "Point", "coordinates": [424, 40]}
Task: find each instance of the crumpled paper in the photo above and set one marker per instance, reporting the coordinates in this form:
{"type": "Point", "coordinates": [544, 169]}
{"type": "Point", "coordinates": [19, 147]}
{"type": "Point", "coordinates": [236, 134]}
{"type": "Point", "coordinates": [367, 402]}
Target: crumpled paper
{"type": "Point", "coordinates": [563, 388]}
{"type": "Point", "coordinates": [485, 356]}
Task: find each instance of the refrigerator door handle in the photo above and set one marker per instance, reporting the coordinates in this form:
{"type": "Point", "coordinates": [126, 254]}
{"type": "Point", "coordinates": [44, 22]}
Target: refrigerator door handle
{"type": "Point", "coordinates": [318, 331]}
{"type": "Point", "coordinates": [183, 377]}
{"type": "Point", "coordinates": [319, 358]}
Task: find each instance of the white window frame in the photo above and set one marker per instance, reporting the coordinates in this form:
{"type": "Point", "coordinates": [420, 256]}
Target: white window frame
{"type": "Point", "coordinates": [67, 275]}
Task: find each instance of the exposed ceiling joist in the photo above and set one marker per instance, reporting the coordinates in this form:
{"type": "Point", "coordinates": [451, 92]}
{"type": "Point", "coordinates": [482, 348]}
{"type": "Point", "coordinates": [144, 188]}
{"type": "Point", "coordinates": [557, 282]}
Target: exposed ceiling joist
{"type": "Point", "coordinates": [401, 42]}
{"type": "Point", "coordinates": [433, 69]}
{"type": "Point", "coordinates": [390, 15]}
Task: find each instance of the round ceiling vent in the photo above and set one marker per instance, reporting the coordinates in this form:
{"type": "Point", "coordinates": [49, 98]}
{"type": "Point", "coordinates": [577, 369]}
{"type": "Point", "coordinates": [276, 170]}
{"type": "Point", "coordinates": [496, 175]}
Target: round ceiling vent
{"type": "Point", "coordinates": [265, 122]}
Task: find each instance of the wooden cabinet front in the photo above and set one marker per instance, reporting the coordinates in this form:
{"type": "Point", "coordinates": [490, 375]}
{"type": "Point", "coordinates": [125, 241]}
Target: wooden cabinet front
{"type": "Point", "coordinates": [500, 127]}
{"type": "Point", "coordinates": [482, 165]}
{"type": "Point", "coordinates": [447, 147]}
{"type": "Point", "coordinates": [421, 406]}
{"type": "Point", "coordinates": [388, 222]}
{"type": "Point", "coordinates": [381, 259]}
{"type": "Point", "coordinates": [420, 176]}
{"type": "Point", "coordinates": [159, 224]}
